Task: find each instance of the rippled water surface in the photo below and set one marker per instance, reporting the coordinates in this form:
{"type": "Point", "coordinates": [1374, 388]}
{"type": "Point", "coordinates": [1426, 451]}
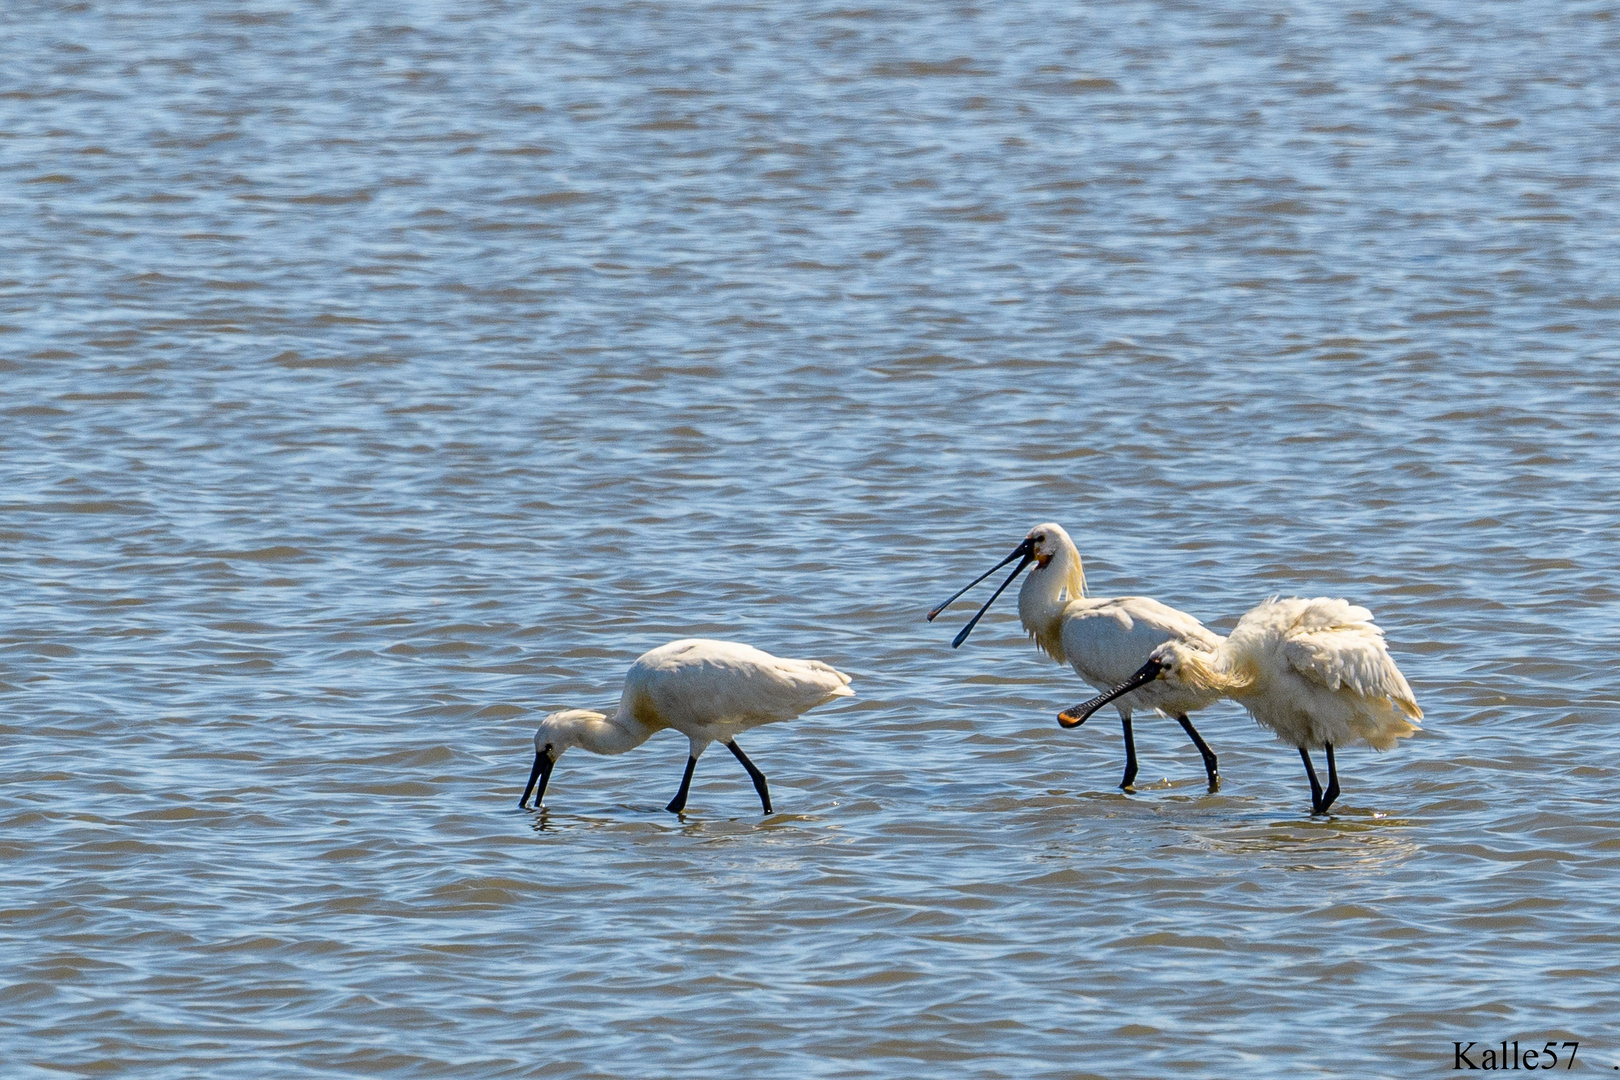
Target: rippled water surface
{"type": "Point", "coordinates": [377, 377]}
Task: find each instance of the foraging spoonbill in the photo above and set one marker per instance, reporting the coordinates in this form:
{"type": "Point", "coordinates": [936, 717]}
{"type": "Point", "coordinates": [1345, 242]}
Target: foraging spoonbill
{"type": "Point", "coordinates": [1315, 672]}
{"type": "Point", "coordinates": [706, 690]}
{"type": "Point", "coordinates": [1104, 640]}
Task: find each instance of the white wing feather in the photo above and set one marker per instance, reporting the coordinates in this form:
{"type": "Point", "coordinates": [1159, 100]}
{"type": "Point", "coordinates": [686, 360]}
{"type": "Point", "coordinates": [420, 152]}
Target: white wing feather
{"type": "Point", "coordinates": [1108, 640]}
{"type": "Point", "coordinates": [697, 680]}
{"type": "Point", "coordinates": [1335, 644]}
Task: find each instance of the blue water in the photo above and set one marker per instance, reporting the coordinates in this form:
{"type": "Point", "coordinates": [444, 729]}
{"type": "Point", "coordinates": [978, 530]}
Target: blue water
{"type": "Point", "coordinates": [377, 378]}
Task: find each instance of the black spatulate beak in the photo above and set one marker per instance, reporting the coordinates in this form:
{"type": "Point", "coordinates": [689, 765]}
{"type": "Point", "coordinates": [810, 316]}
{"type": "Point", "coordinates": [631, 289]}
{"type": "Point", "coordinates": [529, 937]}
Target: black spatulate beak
{"type": "Point", "coordinates": [1024, 553]}
{"type": "Point", "coordinates": [1079, 714]}
{"type": "Point", "coordinates": [541, 772]}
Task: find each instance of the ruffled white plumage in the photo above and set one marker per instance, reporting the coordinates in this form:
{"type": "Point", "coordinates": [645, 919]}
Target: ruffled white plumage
{"type": "Point", "coordinates": [1317, 672]}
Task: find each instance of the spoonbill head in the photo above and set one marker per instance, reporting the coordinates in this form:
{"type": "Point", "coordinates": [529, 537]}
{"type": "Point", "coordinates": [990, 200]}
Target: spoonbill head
{"type": "Point", "coordinates": [559, 732]}
{"type": "Point", "coordinates": [707, 690]}
{"type": "Point", "coordinates": [1316, 673]}
{"type": "Point", "coordinates": [1057, 563]}
{"type": "Point", "coordinates": [1104, 640]}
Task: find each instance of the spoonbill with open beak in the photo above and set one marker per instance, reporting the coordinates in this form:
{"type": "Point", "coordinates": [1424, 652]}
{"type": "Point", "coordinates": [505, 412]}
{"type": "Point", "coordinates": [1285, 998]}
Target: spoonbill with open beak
{"type": "Point", "coordinates": [1103, 640]}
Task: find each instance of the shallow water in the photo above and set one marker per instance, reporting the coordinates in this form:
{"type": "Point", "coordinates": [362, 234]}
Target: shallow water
{"type": "Point", "coordinates": [378, 377]}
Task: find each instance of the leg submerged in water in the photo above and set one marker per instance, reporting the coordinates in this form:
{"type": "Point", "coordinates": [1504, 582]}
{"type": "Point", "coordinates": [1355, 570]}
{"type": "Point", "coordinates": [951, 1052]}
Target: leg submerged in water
{"type": "Point", "coordinates": [753, 774]}
{"type": "Point", "coordinates": [678, 803]}
{"type": "Point", "coordinates": [1316, 785]}
{"type": "Point", "coordinates": [1130, 752]}
{"type": "Point", "coordinates": [1211, 765]}
{"type": "Point", "coordinates": [1332, 791]}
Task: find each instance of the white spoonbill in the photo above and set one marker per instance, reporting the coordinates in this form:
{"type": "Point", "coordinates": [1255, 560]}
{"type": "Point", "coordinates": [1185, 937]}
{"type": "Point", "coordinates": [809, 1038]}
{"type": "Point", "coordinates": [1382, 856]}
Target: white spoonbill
{"type": "Point", "coordinates": [706, 690]}
{"type": "Point", "coordinates": [1315, 672]}
{"type": "Point", "coordinates": [1103, 640]}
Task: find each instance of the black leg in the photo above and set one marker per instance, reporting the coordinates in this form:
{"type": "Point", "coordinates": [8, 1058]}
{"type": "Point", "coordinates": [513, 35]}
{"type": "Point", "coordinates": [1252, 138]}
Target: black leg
{"type": "Point", "coordinates": [1316, 785]}
{"type": "Point", "coordinates": [1332, 791]}
{"type": "Point", "coordinates": [1211, 766]}
{"type": "Point", "coordinates": [1130, 753]}
{"type": "Point", "coordinates": [753, 774]}
{"type": "Point", "coordinates": [678, 803]}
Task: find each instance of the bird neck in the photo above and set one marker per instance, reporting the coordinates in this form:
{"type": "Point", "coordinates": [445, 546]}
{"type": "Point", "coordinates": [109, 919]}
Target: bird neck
{"type": "Point", "coordinates": [612, 734]}
{"type": "Point", "coordinates": [1046, 592]}
{"type": "Point", "coordinates": [1225, 671]}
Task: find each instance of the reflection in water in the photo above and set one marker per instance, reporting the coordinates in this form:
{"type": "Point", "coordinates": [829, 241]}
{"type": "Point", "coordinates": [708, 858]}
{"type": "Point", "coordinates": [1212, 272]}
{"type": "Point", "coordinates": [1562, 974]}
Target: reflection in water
{"type": "Point", "coordinates": [1341, 843]}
